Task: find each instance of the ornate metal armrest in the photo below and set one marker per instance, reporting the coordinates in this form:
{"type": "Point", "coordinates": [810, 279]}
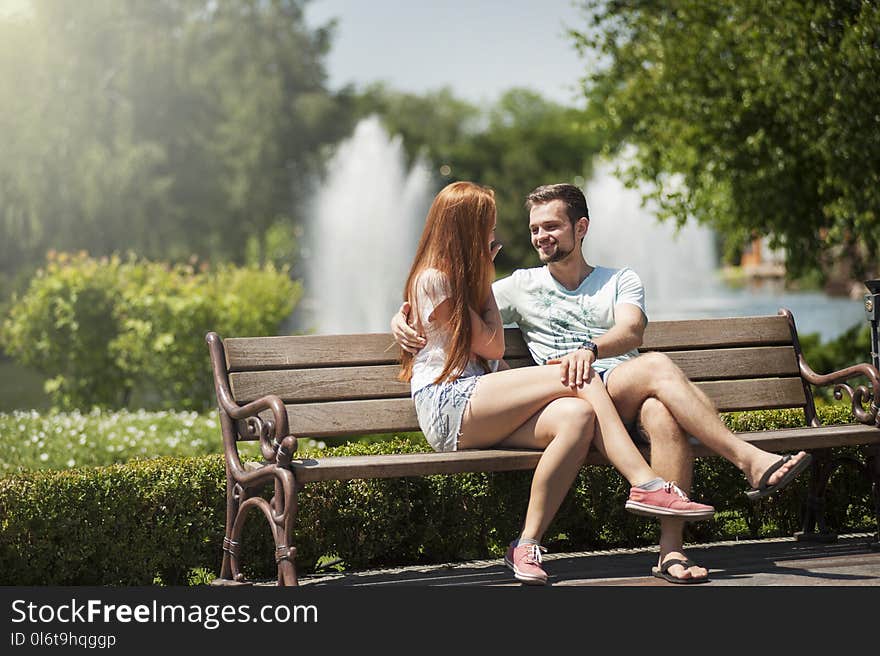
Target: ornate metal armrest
{"type": "Point", "coordinates": [858, 395]}
{"type": "Point", "coordinates": [276, 442]}
{"type": "Point", "coordinates": [273, 434]}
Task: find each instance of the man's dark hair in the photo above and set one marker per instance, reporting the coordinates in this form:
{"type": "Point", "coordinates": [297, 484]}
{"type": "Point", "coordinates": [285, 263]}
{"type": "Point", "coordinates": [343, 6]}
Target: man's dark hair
{"type": "Point", "coordinates": [575, 203]}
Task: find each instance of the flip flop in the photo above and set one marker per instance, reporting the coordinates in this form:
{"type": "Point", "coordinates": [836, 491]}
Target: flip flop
{"type": "Point", "coordinates": [764, 490]}
{"type": "Point", "coordinates": [662, 572]}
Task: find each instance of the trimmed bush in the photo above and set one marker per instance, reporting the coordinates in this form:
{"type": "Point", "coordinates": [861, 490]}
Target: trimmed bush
{"type": "Point", "coordinates": [105, 328]}
{"type": "Point", "coordinates": [126, 524]}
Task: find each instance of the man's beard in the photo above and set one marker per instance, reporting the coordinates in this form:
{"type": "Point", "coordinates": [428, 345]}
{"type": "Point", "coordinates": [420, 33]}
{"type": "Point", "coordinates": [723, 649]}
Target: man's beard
{"type": "Point", "coordinates": [558, 255]}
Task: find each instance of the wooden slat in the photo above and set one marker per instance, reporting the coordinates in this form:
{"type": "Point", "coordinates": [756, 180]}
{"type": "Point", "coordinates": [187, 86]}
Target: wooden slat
{"type": "Point", "coordinates": [514, 345]}
{"type": "Point", "coordinates": [303, 351]}
{"type": "Point", "coordinates": [414, 464]}
{"type": "Point", "coordinates": [716, 333]}
{"type": "Point", "coordinates": [489, 460]}
{"type": "Point", "coordinates": [518, 363]}
{"type": "Point", "coordinates": [803, 439]}
{"type": "Point", "coordinates": [342, 468]}
{"type": "Point", "coordinates": [327, 384]}
{"type": "Point", "coordinates": [724, 364]}
{"type": "Point", "coordinates": [311, 385]}
{"type": "Point", "coordinates": [261, 353]}
{"type": "Point", "coordinates": [341, 418]}
{"type": "Point", "coordinates": [758, 394]}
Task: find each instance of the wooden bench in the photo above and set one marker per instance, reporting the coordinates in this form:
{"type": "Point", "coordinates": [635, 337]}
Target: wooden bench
{"type": "Point", "coordinates": [275, 389]}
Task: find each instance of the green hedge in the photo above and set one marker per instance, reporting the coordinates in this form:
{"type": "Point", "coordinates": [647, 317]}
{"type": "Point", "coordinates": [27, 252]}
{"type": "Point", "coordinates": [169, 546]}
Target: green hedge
{"type": "Point", "coordinates": [157, 520]}
{"type": "Point", "coordinates": [124, 524]}
{"type": "Point", "coordinates": [102, 329]}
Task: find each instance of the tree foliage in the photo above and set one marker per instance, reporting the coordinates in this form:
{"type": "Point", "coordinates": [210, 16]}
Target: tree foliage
{"type": "Point", "coordinates": [758, 117]}
{"type": "Point", "coordinates": [171, 128]}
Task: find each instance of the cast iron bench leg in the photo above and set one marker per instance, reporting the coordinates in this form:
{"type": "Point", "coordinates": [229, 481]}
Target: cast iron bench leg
{"type": "Point", "coordinates": [231, 548]}
{"type": "Point", "coordinates": [872, 459]}
{"type": "Point", "coordinates": [814, 507]}
{"type": "Point", "coordinates": [285, 504]}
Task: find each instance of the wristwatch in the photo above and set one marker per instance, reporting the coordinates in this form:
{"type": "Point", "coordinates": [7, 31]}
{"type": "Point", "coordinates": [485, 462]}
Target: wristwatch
{"type": "Point", "coordinates": [592, 346]}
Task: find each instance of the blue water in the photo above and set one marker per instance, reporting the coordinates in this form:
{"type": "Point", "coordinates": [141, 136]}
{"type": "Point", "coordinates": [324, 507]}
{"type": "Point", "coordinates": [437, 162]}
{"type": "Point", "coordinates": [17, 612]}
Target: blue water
{"type": "Point", "coordinates": [814, 312]}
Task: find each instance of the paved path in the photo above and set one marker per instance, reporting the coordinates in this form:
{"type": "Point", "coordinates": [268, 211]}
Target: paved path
{"type": "Point", "coordinates": [851, 561]}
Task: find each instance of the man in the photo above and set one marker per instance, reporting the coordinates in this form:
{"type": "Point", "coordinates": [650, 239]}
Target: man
{"type": "Point", "coordinates": [591, 320]}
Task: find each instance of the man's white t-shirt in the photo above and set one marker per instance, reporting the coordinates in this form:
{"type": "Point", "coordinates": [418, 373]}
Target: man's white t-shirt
{"type": "Point", "coordinates": [555, 321]}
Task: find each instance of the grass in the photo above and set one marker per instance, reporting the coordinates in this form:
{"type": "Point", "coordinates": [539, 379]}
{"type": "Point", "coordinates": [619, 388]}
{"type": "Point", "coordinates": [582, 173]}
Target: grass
{"type": "Point", "coordinates": [64, 440]}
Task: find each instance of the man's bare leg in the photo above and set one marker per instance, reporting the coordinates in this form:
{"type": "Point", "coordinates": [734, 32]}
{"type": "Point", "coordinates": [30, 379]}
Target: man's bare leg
{"type": "Point", "coordinates": [655, 375]}
{"type": "Point", "coordinates": [672, 458]}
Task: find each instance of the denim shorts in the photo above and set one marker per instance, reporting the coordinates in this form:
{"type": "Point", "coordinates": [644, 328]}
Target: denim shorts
{"type": "Point", "coordinates": [440, 408]}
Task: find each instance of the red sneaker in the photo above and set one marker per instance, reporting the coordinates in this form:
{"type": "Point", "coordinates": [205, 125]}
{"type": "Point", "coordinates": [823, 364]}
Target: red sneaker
{"type": "Point", "coordinates": [669, 501]}
{"type": "Point", "coordinates": [525, 561]}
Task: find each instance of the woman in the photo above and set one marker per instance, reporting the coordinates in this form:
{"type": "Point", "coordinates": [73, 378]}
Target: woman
{"type": "Point", "coordinates": [466, 398]}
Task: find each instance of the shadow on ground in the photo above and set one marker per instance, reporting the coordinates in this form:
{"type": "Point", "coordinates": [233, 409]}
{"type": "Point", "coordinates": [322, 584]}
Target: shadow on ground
{"type": "Point", "coordinates": [852, 561]}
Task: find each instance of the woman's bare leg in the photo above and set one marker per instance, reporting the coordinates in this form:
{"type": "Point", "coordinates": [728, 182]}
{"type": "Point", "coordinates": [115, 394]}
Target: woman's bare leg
{"type": "Point", "coordinates": [503, 401]}
{"type": "Point", "coordinates": [564, 429]}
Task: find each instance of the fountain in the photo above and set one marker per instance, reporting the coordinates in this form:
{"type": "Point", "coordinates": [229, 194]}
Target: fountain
{"type": "Point", "coordinates": [674, 265]}
{"type": "Point", "coordinates": [362, 234]}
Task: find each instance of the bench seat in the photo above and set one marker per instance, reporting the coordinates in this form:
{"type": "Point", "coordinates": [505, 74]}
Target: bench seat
{"type": "Point", "coordinates": [344, 468]}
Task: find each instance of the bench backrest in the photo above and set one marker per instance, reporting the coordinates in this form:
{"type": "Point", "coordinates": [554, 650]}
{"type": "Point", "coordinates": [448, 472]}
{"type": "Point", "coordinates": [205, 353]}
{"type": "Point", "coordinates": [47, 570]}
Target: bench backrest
{"type": "Point", "coordinates": [336, 385]}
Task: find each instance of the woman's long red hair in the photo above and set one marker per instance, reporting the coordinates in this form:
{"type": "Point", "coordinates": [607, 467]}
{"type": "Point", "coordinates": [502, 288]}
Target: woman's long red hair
{"type": "Point", "coordinates": [455, 242]}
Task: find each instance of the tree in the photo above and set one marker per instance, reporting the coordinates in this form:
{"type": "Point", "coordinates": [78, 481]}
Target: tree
{"type": "Point", "coordinates": [268, 115]}
{"type": "Point", "coordinates": [757, 117]}
{"type": "Point", "coordinates": [170, 128]}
